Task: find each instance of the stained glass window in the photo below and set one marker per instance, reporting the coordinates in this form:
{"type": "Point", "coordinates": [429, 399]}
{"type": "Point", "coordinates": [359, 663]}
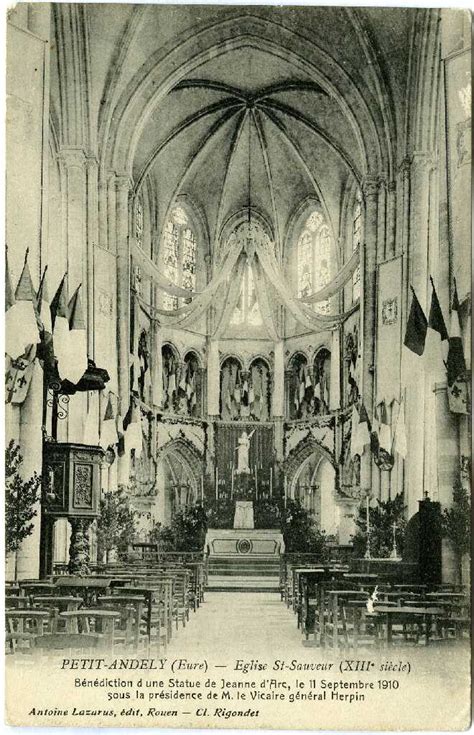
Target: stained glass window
{"type": "Point", "coordinates": [314, 253]}
{"type": "Point", "coordinates": [247, 310]}
{"type": "Point", "coordinates": [179, 255]}
{"type": "Point", "coordinates": [356, 242]}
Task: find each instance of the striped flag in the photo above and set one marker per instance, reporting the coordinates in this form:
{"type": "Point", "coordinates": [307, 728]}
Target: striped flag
{"type": "Point", "coordinates": [456, 364]}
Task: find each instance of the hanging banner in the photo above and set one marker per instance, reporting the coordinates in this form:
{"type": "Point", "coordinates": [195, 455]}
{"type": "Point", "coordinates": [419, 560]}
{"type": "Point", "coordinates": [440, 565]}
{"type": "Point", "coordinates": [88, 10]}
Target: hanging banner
{"type": "Point", "coordinates": [389, 284]}
{"type": "Point", "coordinates": [458, 125]}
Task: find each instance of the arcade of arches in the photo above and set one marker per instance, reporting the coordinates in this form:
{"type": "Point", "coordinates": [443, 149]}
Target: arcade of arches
{"type": "Point", "coordinates": [246, 196]}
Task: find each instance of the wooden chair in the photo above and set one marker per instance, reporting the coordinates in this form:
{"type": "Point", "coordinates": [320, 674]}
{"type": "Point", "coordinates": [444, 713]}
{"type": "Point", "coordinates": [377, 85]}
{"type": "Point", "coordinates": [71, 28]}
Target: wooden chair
{"type": "Point", "coordinates": [70, 643]}
{"type": "Point", "coordinates": [100, 622]}
{"type": "Point", "coordinates": [132, 629]}
{"type": "Point", "coordinates": [23, 626]}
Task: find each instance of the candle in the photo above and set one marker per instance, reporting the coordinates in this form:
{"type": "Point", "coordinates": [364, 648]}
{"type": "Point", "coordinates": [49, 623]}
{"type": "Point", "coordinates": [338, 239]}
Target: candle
{"type": "Point", "coordinates": [217, 483]}
{"type": "Point", "coordinates": [368, 519]}
{"type": "Point", "coordinates": [256, 484]}
{"type": "Point", "coordinates": [202, 489]}
{"type": "Point", "coordinates": [232, 483]}
{"type": "Point", "coordinates": [271, 480]}
{"type": "Point", "coordinates": [285, 489]}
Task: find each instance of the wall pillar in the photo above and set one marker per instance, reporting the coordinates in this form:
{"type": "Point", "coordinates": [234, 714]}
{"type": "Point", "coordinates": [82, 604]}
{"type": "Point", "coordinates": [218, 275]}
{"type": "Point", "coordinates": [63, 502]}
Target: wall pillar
{"type": "Point", "coordinates": [370, 191]}
{"type": "Point", "coordinates": [121, 218]}
{"type": "Point", "coordinates": [413, 367]}
{"type": "Point", "coordinates": [31, 448]}
{"type": "Point", "coordinates": [92, 177]}
{"type": "Point", "coordinates": [74, 168]}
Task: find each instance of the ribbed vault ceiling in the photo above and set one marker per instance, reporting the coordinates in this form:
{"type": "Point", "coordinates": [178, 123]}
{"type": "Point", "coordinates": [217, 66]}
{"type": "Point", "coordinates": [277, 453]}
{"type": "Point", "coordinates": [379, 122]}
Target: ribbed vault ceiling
{"type": "Point", "coordinates": [245, 112]}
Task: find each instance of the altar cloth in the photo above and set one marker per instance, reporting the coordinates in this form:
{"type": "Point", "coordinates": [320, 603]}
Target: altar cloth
{"type": "Point", "coordinates": [243, 517]}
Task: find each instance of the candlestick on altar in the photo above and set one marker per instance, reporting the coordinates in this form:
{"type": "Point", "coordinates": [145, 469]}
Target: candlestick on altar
{"type": "Point", "coordinates": [394, 554]}
{"type": "Point", "coordinates": [367, 550]}
{"type": "Point", "coordinates": [271, 480]}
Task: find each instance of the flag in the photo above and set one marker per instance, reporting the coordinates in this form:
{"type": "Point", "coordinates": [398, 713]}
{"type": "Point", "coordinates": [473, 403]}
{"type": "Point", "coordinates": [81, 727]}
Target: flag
{"type": "Point", "coordinates": [75, 365]}
{"type": "Point", "coordinates": [184, 379]}
{"type": "Point", "coordinates": [417, 325]}
{"type": "Point", "coordinates": [363, 429]}
{"type": "Point", "coordinates": [134, 340]}
{"type": "Point", "coordinates": [19, 376]}
{"type": "Point", "coordinates": [43, 309]}
{"type": "Point", "coordinates": [456, 364]}
{"type": "Point", "coordinates": [385, 432]}
{"type": "Point", "coordinates": [133, 434]}
{"type": "Point", "coordinates": [237, 390]}
{"type": "Point", "coordinates": [24, 322]}
{"type": "Point", "coordinates": [245, 393]}
{"type": "Point", "coordinates": [437, 334]}
{"type": "Point", "coordinates": [108, 429]}
{"type": "Point", "coordinates": [399, 435]}
{"type": "Point", "coordinates": [381, 439]}
{"type": "Point", "coordinates": [13, 342]}
{"type": "Point", "coordinates": [251, 394]}
{"type": "Point", "coordinates": [355, 449]}
{"type": "Point", "coordinates": [60, 323]}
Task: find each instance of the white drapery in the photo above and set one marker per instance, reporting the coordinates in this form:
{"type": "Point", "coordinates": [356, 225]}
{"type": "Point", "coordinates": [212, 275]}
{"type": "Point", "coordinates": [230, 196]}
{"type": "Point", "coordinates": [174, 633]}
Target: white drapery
{"type": "Point", "coordinates": [223, 292]}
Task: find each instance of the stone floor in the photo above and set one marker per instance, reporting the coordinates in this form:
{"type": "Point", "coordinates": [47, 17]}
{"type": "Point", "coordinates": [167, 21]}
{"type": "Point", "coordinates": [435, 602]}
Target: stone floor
{"type": "Point", "coordinates": [258, 624]}
{"type": "Point", "coordinates": [239, 623]}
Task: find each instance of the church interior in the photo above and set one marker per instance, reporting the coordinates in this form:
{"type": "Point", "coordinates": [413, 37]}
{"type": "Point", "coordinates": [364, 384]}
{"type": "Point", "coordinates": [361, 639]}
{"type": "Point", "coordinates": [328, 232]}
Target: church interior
{"type": "Point", "coordinates": [238, 298]}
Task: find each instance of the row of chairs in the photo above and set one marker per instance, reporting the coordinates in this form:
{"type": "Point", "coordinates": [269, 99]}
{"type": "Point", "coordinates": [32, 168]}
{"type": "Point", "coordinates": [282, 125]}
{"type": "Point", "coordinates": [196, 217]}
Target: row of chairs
{"type": "Point", "coordinates": [134, 606]}
{"type": "Point", "coordinates": [344, 612]}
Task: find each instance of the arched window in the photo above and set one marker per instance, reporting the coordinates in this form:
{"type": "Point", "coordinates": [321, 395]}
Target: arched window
{"type": "Point", "coordinates": [356, 242]}
{"type": "Point", "coordinates": [179, 254]}
{"type": "Point", "coordinates": [247, 309]}
{"type": "Point", "coordinates": [314, 254]}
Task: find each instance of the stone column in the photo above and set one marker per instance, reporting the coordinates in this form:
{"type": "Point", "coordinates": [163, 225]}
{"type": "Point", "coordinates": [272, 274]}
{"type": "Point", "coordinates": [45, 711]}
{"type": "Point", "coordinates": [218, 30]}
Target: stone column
{"type": "Point", "coordinates": [288, 377]}
{"type": "Point", "coordinates": [92, 171]}
{"type": "Point", "coordinates": [370, 191]}
{"type": "Point", "coordinates": [447, 460]}
{"type": "Point", "coordinates": [74, 166]}
{"type": "Point", "coordinates": [413, 372]}
{"type": "Point", "coordinates": [31, 448]}
{"type": "Point", "coordinates": [121, 216]}
{"type": "Point", "coordinates": [278, 396]}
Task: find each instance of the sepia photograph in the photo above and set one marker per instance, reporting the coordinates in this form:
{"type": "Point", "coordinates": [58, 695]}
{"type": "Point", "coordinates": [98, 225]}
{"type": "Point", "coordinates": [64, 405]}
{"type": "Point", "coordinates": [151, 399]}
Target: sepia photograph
{"type": "Point", "coordinates": [238, 373]}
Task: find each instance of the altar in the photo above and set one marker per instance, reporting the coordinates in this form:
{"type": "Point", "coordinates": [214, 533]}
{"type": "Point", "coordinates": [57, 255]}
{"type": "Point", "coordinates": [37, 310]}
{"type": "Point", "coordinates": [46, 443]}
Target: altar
{"type": "Point", "coordinates": [243, 517]}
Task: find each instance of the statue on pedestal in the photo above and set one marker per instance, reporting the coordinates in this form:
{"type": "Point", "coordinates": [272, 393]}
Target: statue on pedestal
{"type": "Point", "coordinates": [243, 453]}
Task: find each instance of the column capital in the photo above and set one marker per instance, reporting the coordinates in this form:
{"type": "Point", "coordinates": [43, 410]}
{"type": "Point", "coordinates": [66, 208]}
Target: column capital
{"type": "Point", "coordinates": [91, 161]}
{"type": "Point", "coordinates": [424, 159]}
{"type": "Point", "coordinates": [370, 186]}
{"type": "Point", "coordinates": [72, 156]}
{"type": "Point", "coordinates": [123, 182]}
